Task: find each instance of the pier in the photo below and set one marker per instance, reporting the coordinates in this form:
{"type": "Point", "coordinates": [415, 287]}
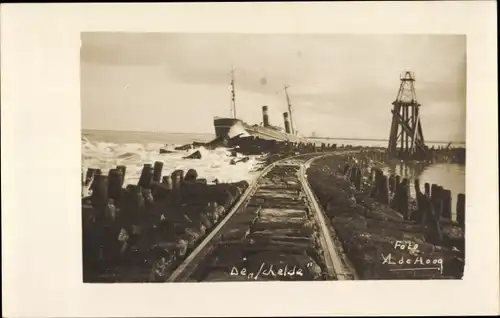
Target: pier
{"type": "Point", "coordinates": [314, 212]}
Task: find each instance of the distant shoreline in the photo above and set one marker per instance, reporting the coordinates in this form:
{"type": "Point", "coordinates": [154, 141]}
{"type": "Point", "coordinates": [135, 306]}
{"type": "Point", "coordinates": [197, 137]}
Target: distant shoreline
{"type": "Point", "coordinates": [387, 140]}
{"type": "Point", "coordinates": [207, 133]}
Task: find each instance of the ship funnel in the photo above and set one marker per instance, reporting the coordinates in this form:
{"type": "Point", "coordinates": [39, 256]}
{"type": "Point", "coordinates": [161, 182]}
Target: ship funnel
{"type": "Point", "coordinates": [287, 122]}
{"type": "Point", "coordinates": [265, 116]}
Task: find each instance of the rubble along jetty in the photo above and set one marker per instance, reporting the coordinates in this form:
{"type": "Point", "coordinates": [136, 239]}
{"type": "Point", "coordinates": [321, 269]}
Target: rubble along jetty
{"type": "Point", "coordinates": [251, 145]}
{"type": "Point", "coordinates": [126, 230]}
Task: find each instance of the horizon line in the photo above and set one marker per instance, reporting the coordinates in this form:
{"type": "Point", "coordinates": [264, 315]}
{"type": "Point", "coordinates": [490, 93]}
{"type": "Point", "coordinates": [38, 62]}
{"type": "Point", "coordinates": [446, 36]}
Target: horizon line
{"type": "Point", "coordinates": [207, 133]}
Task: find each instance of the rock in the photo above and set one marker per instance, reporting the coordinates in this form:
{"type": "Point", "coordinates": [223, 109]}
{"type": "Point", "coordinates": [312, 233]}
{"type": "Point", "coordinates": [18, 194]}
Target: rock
{"type": "Point", "coordinates": [181, 247]}
{"type": "Point", "coordinates": [198, 144]}
{"type": "Point", "coordinates": [194, 235]}
{"type": "Point", "coordinates": [185, 147]}
{"type": "Point", "coordinates": [194, 155]}
{"type": "Point", "coordinates": [205, 220]}
{"type": "Point", "coordinates": [194, 193]}
{"type": "Point", "coordinates": [162, 151]}
{"type": "Point", "coordinates": [203, 230]}
{"type": "Point", "coordinates": [202, 181]}
{"type": "Point", "coordinates": [243, 184]}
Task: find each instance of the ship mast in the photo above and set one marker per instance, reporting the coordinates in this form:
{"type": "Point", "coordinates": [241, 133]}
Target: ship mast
{"type": "Point", "coordinates": [292, 127]}
{"type": "Point", "coordinates": [233, 102]}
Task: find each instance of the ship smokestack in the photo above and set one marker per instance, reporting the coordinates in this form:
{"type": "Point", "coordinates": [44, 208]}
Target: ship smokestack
{"type": "Point", "coordinates": [265, 116]}
{"type": "Point", "coordinates": [287, 122]}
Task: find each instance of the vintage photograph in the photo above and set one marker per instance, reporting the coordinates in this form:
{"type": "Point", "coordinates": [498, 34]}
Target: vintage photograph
{"type": "Point", "coordinates": [272, 157]}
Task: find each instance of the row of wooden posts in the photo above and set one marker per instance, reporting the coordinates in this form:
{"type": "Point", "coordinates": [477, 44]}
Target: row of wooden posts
{"type": "Point", "coordinates": [105, 187]}
{"type": "Point", "coordinates": [433, 205]}
{"type": "Point", "coordinates": [431, 191]}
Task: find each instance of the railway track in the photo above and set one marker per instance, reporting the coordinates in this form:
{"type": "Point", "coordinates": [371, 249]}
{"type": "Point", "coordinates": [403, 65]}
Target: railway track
{"type": "Point", "coordinates": [276, 231]}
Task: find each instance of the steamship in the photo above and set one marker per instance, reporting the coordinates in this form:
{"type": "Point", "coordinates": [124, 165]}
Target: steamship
{"type": "Point", "coordinates": [266, 131]}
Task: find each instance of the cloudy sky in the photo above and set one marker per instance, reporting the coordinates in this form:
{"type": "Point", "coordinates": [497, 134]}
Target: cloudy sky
{"type": "Point", "coordinates": [340, 85]}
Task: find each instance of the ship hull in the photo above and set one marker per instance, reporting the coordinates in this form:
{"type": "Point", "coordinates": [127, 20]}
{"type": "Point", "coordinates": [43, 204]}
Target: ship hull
{"type": "Point", "coordinates": [224, 126]}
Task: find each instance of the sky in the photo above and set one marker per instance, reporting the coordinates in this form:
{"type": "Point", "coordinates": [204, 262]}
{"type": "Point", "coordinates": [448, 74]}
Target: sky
{"type": "Point", "coordinates": [339, 85]}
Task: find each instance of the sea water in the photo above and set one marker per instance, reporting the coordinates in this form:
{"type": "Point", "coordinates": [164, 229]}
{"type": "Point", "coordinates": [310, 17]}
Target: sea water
{"type": "Point", "coordinates": [450, 176]}
{"type": "Point", "coordinates": [107, 149]}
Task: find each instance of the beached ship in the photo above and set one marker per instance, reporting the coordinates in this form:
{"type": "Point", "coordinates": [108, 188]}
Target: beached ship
{"type": "Point", "coordinates": [225, 125]}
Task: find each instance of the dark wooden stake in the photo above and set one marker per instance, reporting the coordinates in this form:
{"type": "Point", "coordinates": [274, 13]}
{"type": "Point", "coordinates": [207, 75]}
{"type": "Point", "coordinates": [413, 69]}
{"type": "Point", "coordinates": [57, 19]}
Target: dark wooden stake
{"type": "Point", "coordinates": [461, 210]}
{"type": "Point", "coordinates": [158, 167]}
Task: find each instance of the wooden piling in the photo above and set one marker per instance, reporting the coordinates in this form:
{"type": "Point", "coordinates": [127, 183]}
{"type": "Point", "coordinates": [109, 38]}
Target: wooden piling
{"type": "Point", "coordinates": [434, 191]}
{"type": "Point", "coordinates": [99, 196]}
{"type": "Point", "coordinates": [437, 199]}
{"type": "Point", "coordinates": [138, 202]}
{"type": "Point", "coordinates": [446, 198]}
{"type": "Point", "coordinates": [417, 186]}
{"type": "Point", "coordinates": [372, 174]}
{"type": "Point", "coordinates": [378, 184]}
{"type": "Point", "coordinates": [177, 179]}
{"type": "Point", "coordinates": [123, 170]}
{"type": "Point", "coordinates": [148, 197]}
{"type": "Point", "coordinates": [358, 179]}
{"type": "Point", "coordinates": [346, 169]}
{"type": "Point", "coordinates": [427, 189]}
{"type": "Point", "coordinates": [353, 173]}
{"type": "Point", "coordinates": [146, 176]}
{"type": "Point", "coordinates": [433, 233]}
{"type": "Point", "coordinates": [383, 192]}
{"type": "Point", "coordinates": [180, 173]}
{"type": "Point", "coordinates": [392, 183]}
{"type": "Point", "coordinates": [461, 210]}
{"type": "Point", "coordinates": [397, 183]}
{"type": "Point", "coordinates": [403, 199]}
{"type": "Point", "coordinates": [89, 175]}
{"type": "Point", "coordinates": [167, 181]}
{"type": "Point", "coordinates": [115, 181]}
{"type": "Point", "coordinates": [158, 167]}
{"type": "Point", "coordinates": [191, 175]}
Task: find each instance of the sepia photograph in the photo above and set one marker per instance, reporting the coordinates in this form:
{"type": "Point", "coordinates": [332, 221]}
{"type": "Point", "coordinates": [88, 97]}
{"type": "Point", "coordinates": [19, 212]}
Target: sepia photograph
{"type": "Point", "coordinates": [232, 157]}
{"type": "Point", "coordinates": [277, 159]}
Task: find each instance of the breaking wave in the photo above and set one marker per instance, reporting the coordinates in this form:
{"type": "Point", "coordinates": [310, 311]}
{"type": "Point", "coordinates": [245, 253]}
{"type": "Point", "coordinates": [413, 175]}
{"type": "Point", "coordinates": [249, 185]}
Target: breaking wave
{"type": "Point", "coordinates": [237, 130]}
{"type": "Point", "coordinates": [214, 164]}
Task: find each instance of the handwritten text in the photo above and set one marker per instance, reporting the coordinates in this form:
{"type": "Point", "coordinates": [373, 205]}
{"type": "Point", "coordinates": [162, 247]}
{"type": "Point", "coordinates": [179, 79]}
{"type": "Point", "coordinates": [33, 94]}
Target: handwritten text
{"type": "Point", "coordinates": [269, 270]}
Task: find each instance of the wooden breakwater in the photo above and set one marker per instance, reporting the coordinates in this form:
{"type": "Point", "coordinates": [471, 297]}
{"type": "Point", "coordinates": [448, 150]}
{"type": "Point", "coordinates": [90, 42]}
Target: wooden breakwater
{"type": "Point", "coordinates": [431, 208]}
{"type": "Point", "coordinates": [373, 213]}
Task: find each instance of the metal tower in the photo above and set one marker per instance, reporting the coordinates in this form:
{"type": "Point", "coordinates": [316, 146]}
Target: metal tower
{"type": "Point", "coordinates": [406, 128]}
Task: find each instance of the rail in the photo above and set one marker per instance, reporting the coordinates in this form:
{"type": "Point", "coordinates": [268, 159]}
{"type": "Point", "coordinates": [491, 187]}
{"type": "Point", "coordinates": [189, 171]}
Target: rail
{"type": "Point", "coordinates": [335, 262]}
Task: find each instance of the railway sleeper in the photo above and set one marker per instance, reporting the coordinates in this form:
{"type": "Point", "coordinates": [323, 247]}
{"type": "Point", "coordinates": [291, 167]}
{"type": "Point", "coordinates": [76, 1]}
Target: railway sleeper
{"type": "Point", "coordinates": [279, 223]}
{"type": "Point", "coordinates": [289, 213]}
{"type": "Point", "coordinates": [301, 232]}
{"type": "Point", "coordinates": [298, 241]}
{"type": "Point", "coordinates": [269, 204]}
